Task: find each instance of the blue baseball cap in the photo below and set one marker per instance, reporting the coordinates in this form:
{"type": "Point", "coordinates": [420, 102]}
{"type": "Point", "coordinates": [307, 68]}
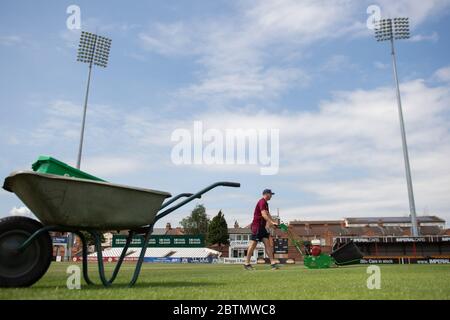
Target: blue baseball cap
{"type": "Point", "coordinates": [266, 191]}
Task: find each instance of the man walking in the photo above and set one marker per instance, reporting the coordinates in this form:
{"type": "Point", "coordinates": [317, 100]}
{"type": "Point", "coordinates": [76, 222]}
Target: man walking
{"type": "Point", "coordinates": [261, 218]}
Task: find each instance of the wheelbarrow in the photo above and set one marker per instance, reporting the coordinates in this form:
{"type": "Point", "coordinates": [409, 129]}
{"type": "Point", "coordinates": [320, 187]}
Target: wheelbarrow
{"type": "Point", "coordinates": [67, 204]}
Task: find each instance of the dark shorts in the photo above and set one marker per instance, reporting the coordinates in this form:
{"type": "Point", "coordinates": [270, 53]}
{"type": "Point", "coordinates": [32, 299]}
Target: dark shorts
{"type": "Point", "coordinates": [259, 235]}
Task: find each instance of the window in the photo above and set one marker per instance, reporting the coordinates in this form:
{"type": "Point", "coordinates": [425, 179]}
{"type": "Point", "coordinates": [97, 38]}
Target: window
{"type": "Point", "coordinates": [239, 253]}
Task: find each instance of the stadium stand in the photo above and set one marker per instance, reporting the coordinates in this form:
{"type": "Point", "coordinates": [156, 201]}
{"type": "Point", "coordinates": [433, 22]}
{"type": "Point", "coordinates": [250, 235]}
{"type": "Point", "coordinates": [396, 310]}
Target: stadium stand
{"type": "Point", "coordinates": [158, 253]}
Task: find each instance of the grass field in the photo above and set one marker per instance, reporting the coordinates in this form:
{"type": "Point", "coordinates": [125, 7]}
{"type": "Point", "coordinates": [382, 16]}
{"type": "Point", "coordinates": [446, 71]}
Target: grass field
{"type": "Point", "coordinates": [163, 281]}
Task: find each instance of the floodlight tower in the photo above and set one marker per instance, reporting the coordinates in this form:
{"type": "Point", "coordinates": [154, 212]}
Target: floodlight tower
{"type": "Point", "coordinates": [390, 30]}
{"type": "Point", "coordinates": [93, 49]}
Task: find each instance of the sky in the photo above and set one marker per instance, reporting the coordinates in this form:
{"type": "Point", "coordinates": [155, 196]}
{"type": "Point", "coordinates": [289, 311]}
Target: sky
{"type": "Point", "coordinates": [309, 69]}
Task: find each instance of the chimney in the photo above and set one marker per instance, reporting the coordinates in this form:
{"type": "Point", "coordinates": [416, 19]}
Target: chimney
{"type": "Point", "coordinates": [168, 226]}
{"type": "Point", "coordinates": [236, 224]}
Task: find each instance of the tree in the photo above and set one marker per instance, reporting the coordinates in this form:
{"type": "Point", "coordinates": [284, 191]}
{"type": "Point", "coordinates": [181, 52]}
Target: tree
{"type": "Point", "coordinates": [90, 241]}
{"type": "Point", "coordinates": [218, 230]}
{"type": "Point", "coordinates": [197, 222]}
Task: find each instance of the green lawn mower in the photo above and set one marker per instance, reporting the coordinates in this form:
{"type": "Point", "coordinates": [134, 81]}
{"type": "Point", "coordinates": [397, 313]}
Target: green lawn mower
{"type": "Point", "coordinates": [314, 258]}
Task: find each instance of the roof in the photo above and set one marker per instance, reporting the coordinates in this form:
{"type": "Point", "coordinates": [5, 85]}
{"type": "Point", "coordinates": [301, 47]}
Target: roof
{"type": "Point", "coordinates": [175, 232]}
{"type": "Point", "coordinates": [239, 230]}
{"type": "Point", "coordinates": [159, 231]}
{"type": "Point", "coordinates": [164, 232]}
{"type": "Point", "coordinates": [430, 230]}
{"type": "Point", "coordinates": [370, 220]}
{"type": "Point", "coordinates": [394, 231]}
{"type": "Point", "coordinates": [322, 222]}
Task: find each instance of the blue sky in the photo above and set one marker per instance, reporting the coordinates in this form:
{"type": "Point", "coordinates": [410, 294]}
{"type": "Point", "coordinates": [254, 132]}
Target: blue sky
{"type": "Point", "coordinates": [308, 68]}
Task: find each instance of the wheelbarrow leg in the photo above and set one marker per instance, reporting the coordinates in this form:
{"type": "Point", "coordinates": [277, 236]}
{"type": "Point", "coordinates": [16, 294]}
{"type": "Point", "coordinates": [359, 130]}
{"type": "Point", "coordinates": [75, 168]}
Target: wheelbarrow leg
{"type": "Point", "coordinates": [101, 269]}
{"type": "Point", "coordinates": [122, 256]}
{"type": "Point", "coordinates": [98, 248]}
{"type": "Point", "coordinates": [85, 260]}
{"type": "Point", "coordinates": [141, 257]}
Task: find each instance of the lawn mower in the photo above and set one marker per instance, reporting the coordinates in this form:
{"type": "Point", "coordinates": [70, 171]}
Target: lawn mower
{"type": "Point", "coordinates": [314, 258]}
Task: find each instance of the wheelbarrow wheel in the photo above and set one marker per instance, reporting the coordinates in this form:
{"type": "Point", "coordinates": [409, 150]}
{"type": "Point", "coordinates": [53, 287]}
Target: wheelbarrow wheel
{"type": "Point", "coordinates": [22, 268]}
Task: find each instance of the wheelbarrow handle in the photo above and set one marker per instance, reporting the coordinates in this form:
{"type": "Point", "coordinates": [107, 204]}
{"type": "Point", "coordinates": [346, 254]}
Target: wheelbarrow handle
{"type": "Point", "coordinates": [175, 198]}
{"type": "Point", "coordinates": [192, 197]}
{"type": "Point", "coordinates": [230, 184]}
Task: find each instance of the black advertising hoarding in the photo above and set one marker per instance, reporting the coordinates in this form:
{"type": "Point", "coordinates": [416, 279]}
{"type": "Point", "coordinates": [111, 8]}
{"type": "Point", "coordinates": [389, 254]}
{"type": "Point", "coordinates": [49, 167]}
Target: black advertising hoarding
{"type": "Point", "coordinates": [280, 245]}
{"type": "Point", "coordinates": [389, 239]}
{"type": "Point", "coordinates": [405, 260]}
{"type": "Point", "coordinates": [401, 250]}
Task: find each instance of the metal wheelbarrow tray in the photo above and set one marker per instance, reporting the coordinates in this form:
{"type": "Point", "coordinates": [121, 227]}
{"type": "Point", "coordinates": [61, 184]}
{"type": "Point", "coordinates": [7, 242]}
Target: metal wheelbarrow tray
{"type": "Point", "coordinates": [81, 203]}
{"type": "Point", "coordinates": [68, 204]}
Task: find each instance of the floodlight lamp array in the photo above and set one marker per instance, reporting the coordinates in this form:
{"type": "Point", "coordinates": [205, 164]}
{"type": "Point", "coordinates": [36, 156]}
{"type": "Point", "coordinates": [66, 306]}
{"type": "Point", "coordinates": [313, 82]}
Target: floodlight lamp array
{"type": "Point", "coordinates": [388, 29]}
{"type": "Point", "coordinates": [93, 49]}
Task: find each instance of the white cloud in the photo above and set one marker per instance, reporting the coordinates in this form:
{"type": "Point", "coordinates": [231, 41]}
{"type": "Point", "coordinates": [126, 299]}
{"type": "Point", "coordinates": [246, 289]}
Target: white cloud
{"type": "Point", "coordinates": [380, 65]}
{"type": "Point", "coordinates": [112, 166]}
{"type": "Point", "coordinates": [21, 211]}
{"type": "Point", "coordinates": [233, 50]}
{"type": "Point", "coordinates": [348, 157]}
{"type": "Point", "coordinates": [443, 74]}
{"type": "Point", "coordinates": [168, 39]}
{"type": "Point", "coordinates": [12, 140]}
{"type": "Point", "coordinates": [149, 129]}
{"type": "Point", "coordinates": [11, 40]}
{"type": "Point", "coordinates": [70, 38]}
{"type": "Point", "coordinates": [304, 21]}
{"type": "Point", "coordinates": [258, 83]}
{"type": "Point", "coordinates": [115, 144]}
{"type": "Point", "coordinates": [64, 108]}
{"type": "Point", "coordinates": [245, 55]}
{"type": "Point", "coordinates": [417, 10]}
{"type": "Point", "coordinates": [433, 37]}
{"type": "Point", "coordinates": [63, 121]}
{"type": "Point", "coordinates": [337, 63]}
{"type": "Point", "coordinates": [137, 56]}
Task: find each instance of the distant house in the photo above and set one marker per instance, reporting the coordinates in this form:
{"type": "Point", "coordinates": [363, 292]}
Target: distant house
{"type": "Point", "coordinates": [239, 240]}
{"type": "Point", "coordinates": [168, 231]}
